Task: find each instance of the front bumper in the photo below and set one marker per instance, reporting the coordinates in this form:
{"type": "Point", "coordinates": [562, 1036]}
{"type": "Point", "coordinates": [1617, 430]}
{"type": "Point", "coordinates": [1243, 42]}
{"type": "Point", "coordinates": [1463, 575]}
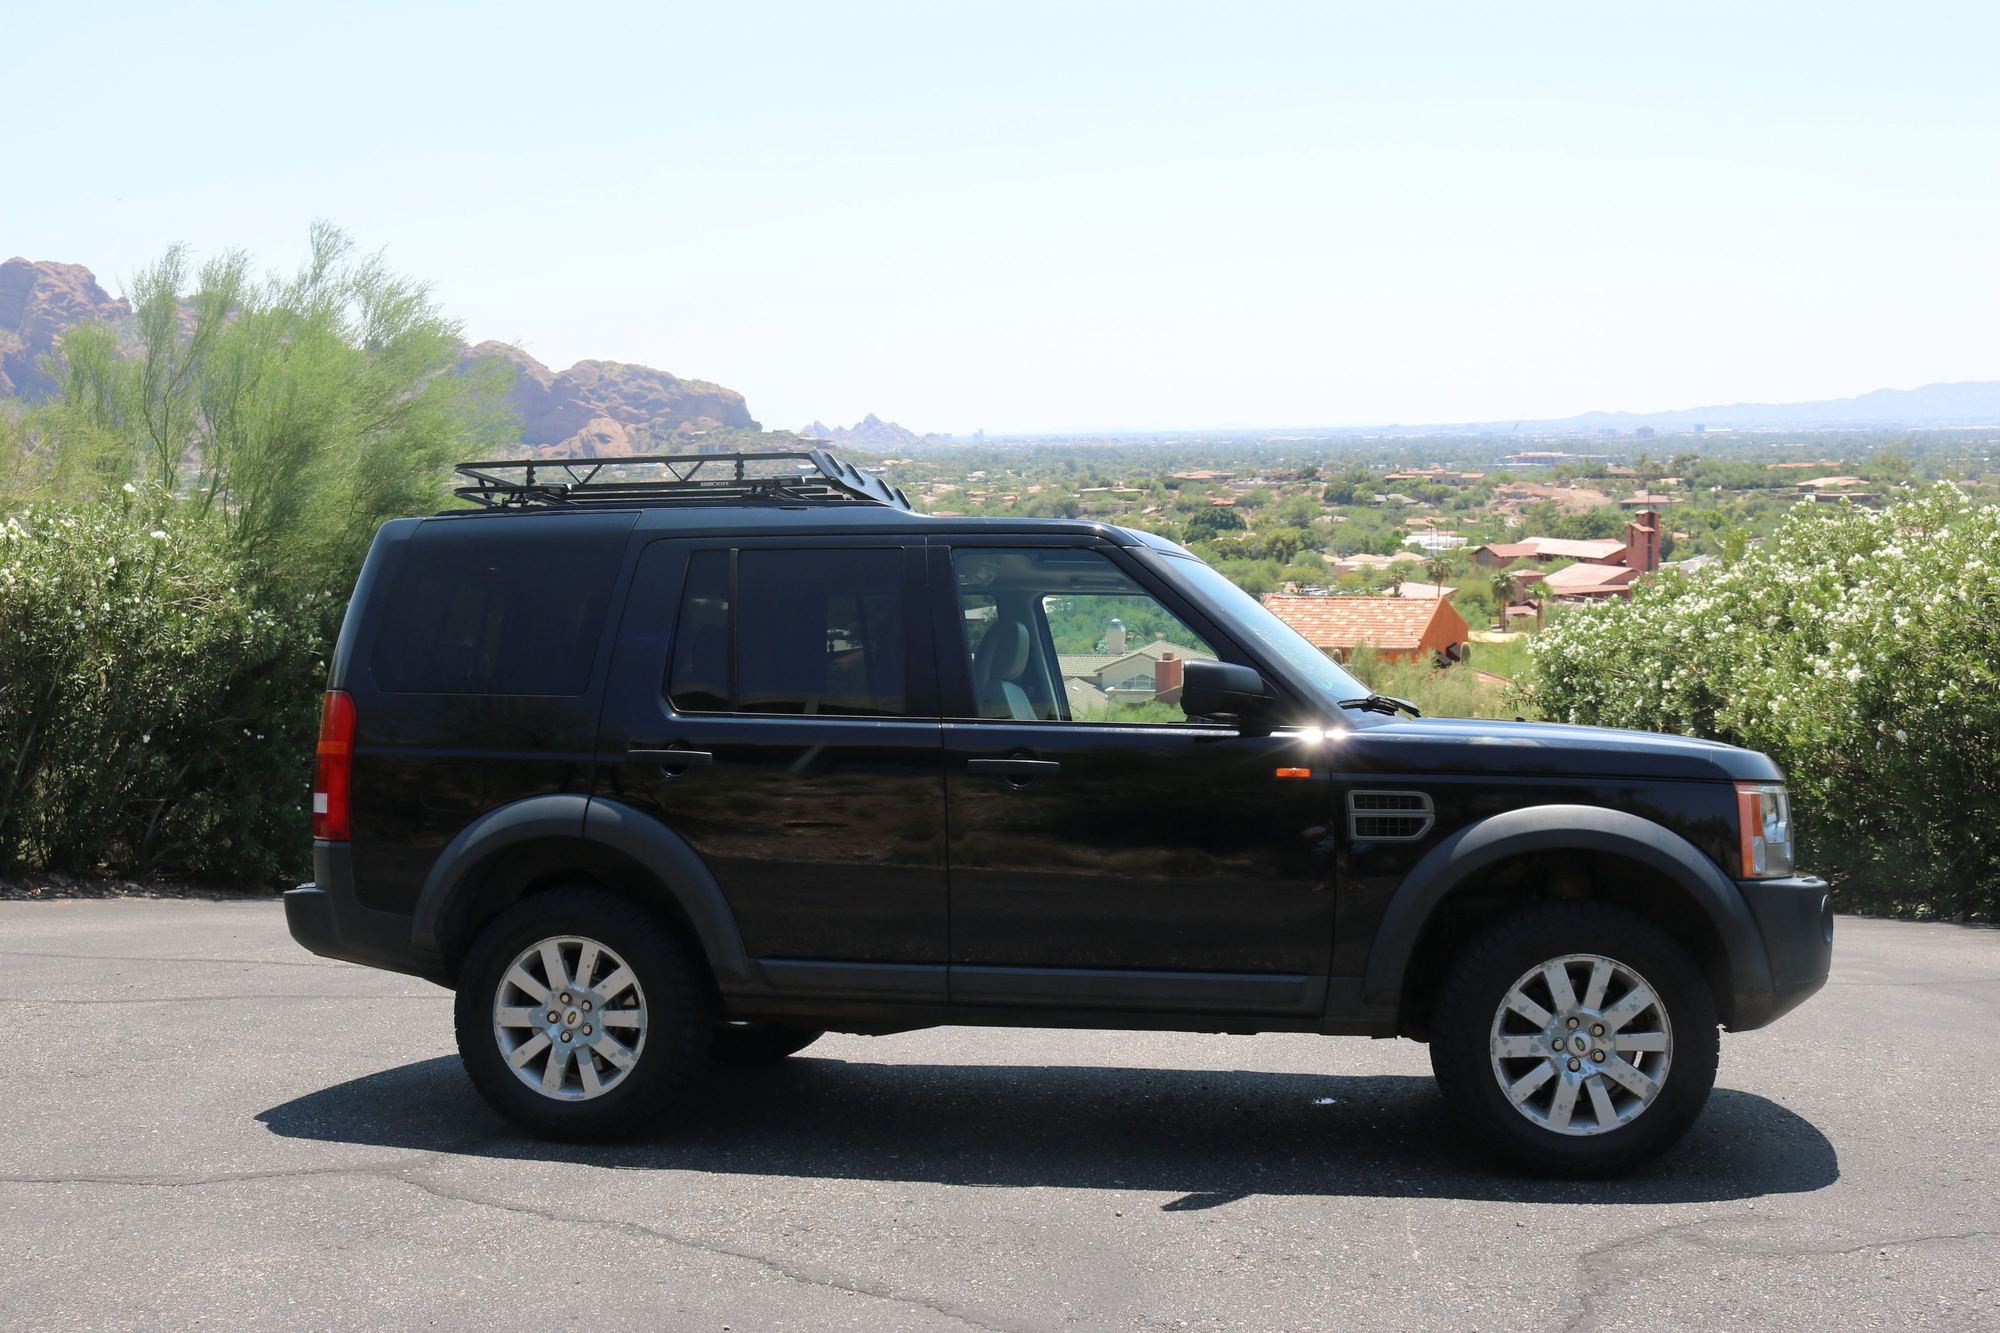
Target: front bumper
{"type": "Point", "coordinates": [325, 917]}
{"type": "Point", "coordinates": [1795, 917]}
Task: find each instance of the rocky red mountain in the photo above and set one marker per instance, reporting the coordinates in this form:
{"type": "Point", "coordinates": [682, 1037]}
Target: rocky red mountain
{"type": "Point", "coordinates": [593, 409]}
{"type": "Point", "coordinates": [38, 301]}
{"type": "Point", "coordinates": [607, 409]}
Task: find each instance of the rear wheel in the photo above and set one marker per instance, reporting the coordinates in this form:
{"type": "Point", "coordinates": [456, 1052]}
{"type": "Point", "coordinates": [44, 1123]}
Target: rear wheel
{"type": "Point", "coordinates": [759, 1043]}
{"type": "Point", "coordinates": [1579, 1039]}
{"type": "Point", "coordinates": [581, 1016]}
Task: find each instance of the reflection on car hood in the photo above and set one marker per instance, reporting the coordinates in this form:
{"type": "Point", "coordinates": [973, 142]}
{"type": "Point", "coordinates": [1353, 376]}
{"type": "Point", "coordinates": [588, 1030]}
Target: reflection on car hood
{"type": "Point", "coordinates": [1472, 745]}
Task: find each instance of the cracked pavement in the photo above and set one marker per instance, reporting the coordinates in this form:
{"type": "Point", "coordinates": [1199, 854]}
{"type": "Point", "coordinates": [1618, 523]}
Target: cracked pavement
{"type": "Point", "coordinates": [200, 1123]}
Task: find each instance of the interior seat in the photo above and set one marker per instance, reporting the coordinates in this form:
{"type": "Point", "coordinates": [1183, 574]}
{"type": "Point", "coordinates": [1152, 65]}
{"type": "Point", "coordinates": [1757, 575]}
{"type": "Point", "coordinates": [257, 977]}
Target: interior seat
{"type": "Point", "coordinates": [997, 666]}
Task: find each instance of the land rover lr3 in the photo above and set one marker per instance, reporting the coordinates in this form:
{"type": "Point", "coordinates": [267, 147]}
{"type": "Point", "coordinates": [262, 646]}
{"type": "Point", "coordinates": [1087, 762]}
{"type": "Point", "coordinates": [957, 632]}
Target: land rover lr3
{"type": "Point", "coordinates": [691, 759]}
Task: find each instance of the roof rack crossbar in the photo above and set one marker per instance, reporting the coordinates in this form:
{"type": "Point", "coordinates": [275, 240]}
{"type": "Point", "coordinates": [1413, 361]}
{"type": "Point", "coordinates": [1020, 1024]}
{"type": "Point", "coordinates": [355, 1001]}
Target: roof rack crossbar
{"type": "Point", "coordinates": [790, 477]}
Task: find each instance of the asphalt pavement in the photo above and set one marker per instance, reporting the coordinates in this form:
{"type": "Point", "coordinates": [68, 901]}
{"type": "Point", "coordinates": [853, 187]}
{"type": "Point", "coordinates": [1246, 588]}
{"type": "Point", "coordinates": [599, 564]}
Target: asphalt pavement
{"type": "Point", "coordinates": [201, 1124]}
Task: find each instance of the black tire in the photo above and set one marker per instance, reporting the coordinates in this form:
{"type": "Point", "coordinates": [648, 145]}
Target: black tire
{"type": "Point", "coordinates": [758, 1043]}
{"type": "Point", "coordinates": [1477, 983]}
{"type": "Point", "coordinates": [680, 1015]}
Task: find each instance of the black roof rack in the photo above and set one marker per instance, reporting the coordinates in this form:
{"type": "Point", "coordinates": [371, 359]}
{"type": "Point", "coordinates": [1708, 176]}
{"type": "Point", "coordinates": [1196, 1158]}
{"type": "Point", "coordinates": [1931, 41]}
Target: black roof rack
{"type": "Point", "coordinates": [785, 477]}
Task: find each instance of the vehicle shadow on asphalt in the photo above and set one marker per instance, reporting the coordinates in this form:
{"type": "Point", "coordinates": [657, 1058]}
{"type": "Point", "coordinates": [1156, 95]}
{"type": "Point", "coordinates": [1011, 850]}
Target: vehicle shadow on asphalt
{"type": "Point", "coordinates": [1207, 1137]}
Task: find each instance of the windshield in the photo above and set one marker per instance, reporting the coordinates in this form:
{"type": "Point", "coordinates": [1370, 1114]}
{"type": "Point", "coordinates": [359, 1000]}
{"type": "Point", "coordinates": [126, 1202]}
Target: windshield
{"type": "Point", "coordinates": [1246, 616]}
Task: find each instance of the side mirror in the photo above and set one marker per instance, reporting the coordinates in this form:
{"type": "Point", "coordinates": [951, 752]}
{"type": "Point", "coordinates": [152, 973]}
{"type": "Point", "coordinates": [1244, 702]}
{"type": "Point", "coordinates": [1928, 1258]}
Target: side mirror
{"type": "Point", "coordinates": [1224, 689]}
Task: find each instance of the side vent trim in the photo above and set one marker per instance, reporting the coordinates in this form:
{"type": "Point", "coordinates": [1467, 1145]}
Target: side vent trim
{"type": "Point", "coordinates": [1389, 816]}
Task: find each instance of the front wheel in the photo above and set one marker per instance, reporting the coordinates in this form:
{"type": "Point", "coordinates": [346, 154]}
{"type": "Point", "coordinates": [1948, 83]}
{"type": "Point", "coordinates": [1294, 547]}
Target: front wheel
{"type": "Point", "coordinates": [580, 1016]}
{"type": "Point", "coordinates": [1577, 1038]}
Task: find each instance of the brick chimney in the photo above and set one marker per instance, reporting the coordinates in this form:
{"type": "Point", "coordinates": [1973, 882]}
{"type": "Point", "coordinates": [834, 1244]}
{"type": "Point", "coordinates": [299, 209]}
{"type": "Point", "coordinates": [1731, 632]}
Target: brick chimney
{"type": "Point", "coordinates": [1167, 678]}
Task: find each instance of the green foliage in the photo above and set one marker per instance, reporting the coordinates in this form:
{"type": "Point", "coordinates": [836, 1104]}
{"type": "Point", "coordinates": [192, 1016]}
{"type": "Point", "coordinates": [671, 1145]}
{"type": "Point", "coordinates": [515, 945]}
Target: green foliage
{"type": "Point", "coordinates": [189, 513]}
{"type": "Point", "coordinates": [1209, 520]}
{"type": "Point", "coordinates": [1078, 623]}
{"type": "Point", "coordinates": [299, 411]}
{"type": "Point", "coordinates": [1371, 532]}
{"type": "Point", "coordinates": [1508, 659]}
{"type": "Point", "coordinates": [1859, 650]}
{"type": "Point", "coordinates": [1474, 600]}
{"type": "Point", "coordinates": [1452, 691]}
{"type": "Point", "coordinates": [149, 706]}
{"type": "Point", "coordinates": [1145, 710]}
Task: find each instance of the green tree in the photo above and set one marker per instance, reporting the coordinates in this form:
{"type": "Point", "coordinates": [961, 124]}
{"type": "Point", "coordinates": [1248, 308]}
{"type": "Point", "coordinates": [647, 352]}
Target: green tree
{"type": "Point", "coordinates": [189, 512]}
{"type": "Point", "coordinates": [301, 411]}
{"type": "Point", "coordinates": [1210, 520]}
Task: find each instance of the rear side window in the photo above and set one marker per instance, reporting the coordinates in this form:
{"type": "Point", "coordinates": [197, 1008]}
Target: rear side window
{"type": "Point", "coordinates": [787, 630]}
{"type": "Point", "coordinates": [701, 641]}
{"type": "Point", "coordinates": [499, 606]}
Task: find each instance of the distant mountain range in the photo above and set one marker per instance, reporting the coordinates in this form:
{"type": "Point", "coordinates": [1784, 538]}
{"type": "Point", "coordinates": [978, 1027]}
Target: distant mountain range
{"type": "Point", "coordinates": [1971, 403]}
{"type": "Point", "coordinates": [606, 409]}
{"type": "Point", "coordinates": [871, 432]}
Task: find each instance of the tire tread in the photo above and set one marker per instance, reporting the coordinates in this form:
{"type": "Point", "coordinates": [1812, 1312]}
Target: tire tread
{"type": "Point", "coordinates": [1477, 978]}
{"type": "Point", "coordinates": [678, 994]}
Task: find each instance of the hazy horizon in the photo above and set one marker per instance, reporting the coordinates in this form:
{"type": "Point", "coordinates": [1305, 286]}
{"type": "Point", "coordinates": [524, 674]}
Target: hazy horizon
{"type": "Point", "coordinates": [1064, 221]}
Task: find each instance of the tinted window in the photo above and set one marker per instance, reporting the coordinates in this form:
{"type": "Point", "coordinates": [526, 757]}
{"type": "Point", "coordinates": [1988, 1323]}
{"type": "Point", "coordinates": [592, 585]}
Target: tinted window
{"type": "Point", "coordinates": [507, 605]}
{"type": "Point", "coordinates": [812, 632]}
{"type": "Point", "coordinates": [700, 674]}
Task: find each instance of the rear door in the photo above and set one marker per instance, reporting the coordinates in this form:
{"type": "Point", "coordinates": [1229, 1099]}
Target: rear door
{"type": "Point", "coordinates": [773, 702]}
{"type": "Point", "coordinates": [1105, 851]}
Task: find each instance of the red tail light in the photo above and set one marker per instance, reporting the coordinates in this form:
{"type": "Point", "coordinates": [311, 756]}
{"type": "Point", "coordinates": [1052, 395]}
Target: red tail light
{"type": "Point", "coordinates": [334, 767]}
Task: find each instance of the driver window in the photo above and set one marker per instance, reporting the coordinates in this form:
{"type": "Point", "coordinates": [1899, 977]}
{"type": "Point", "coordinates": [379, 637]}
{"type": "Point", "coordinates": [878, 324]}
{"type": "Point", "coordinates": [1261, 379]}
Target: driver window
{"type": "Point", "coordinates": [1058, 635]}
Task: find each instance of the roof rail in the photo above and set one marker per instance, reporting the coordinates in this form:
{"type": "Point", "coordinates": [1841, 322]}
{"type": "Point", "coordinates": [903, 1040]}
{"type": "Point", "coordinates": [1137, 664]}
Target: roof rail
{"type": "Point", "coordinates": [789, 477]}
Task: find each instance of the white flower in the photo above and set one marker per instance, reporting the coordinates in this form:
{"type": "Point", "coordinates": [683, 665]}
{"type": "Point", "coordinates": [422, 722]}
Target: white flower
{"type": "Point", "coordinates": [159, 535]}
{"type": "Point", "coordinates": [1902, 735]}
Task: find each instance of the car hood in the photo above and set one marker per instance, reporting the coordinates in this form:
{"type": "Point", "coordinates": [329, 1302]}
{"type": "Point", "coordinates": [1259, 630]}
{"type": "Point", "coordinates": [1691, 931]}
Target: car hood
{"type": "Point", "coordinates": [1542, 749]}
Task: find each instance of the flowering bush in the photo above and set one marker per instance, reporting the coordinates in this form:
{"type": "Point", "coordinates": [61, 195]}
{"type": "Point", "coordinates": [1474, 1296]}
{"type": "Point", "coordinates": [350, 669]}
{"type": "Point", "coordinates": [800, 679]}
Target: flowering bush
{"type": "Point", "coordinates": [1861, 651]}
{"type": "Point", "coordinates": [153, 716]}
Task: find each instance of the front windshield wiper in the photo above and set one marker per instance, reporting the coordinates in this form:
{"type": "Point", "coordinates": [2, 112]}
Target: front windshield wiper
{"type": "Point", "coordinates": [1382, 703]}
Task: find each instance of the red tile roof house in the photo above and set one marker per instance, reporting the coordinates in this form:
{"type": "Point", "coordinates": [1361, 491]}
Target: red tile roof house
{"type": "Point", "coordinates": [1587, 582]}
{"type": "Point", "coordinates": [1604, 568]}
{"type": "Point", "coordinates": [1399, 629]}
{"type": "Point", "coordinates": [1546, 549]}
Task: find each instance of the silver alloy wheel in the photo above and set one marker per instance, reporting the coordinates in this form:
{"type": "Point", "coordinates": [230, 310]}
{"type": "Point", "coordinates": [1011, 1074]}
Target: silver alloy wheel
{"type": "Point", "coordinates": [1581, 1044]}
{"type": "Point", "coordinates": [570, 1018]}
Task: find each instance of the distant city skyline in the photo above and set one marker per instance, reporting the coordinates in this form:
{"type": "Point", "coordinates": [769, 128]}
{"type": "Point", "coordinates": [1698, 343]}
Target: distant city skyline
{"type": "Point", "coordinates": [1073, 219]}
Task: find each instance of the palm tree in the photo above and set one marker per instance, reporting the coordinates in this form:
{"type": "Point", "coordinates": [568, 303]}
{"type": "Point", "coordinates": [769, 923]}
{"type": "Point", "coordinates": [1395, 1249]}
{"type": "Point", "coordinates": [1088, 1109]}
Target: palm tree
{"type": "Point", "coordinates": [1436, 567]}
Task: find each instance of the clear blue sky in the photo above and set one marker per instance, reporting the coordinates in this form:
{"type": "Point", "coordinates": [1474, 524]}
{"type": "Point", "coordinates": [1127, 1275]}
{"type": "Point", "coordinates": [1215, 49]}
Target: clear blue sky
{"type": "Point", "coordinates": [1028, 217]}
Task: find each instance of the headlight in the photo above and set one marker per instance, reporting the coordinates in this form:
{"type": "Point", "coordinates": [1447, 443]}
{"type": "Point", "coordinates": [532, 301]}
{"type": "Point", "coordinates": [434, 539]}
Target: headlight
{"type": "Point", "coordinates": [1764, 813]}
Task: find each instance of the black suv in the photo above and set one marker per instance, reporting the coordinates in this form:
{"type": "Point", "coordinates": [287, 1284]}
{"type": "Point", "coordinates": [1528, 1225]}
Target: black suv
{"type": "Point", "coordinates": [693, 758]}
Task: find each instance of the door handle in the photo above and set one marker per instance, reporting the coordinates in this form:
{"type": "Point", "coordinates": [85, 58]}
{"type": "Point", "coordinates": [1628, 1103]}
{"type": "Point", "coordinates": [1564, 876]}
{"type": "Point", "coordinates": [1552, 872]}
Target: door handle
{"type": "Point", "coordinates": [672, 762]}
{"type": "Point", "coordinates": [1017, 772]}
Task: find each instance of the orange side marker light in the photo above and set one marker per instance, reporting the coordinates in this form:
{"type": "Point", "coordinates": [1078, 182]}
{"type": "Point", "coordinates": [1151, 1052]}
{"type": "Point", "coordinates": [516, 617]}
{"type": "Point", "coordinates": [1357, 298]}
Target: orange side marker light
{"type": "Point", "coordinates": [1295, 772]}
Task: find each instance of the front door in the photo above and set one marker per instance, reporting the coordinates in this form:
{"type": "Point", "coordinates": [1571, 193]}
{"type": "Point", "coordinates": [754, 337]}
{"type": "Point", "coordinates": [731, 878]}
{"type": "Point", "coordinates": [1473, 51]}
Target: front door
{"type": "Point", "coordinates": [1105, 851]}
{"type": "Point", "coordinates": [796, 676]}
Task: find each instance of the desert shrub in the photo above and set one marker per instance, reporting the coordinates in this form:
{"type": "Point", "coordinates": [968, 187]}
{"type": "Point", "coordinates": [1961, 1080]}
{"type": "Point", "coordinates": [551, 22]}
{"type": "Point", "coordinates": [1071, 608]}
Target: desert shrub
{"type": "Point", "coordinates": [1861, 651]}
{"type": "Point", "coordinates": [149, 707]}
{"type": "Point", "coordinates": [184, 519]}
